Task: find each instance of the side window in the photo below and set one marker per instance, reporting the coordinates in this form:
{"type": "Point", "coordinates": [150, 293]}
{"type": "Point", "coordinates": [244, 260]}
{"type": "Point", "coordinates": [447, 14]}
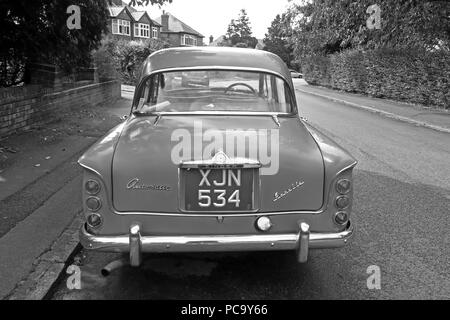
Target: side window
{"type": "Point", "coordinates": [274, 85]}
{"type": "Point", "coordinates": [152, 94]}
{"type": "Point", "coordinates": [281, 95]}
{"type": "Point", "coordinates": [154, 88]}
{"type": "Point", "coordinates": [268, 88]}
{"type": "Point", "coordinates": [144, 97]}
{"type": "Point", "coordinates": [287, 105]}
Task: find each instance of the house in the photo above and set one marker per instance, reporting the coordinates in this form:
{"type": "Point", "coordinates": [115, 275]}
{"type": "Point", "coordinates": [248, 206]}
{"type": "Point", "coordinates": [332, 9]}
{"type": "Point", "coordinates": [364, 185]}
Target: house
{"type": "Point", "coordinates": [127, 23]}
{"type": "Point", "coordinates": [215, 43]}
{"type": "Point", "coordinates": [177, 33]}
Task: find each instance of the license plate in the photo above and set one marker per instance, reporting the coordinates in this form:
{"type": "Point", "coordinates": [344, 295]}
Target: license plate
{"type": "Point", "coordinates": [218, 190]}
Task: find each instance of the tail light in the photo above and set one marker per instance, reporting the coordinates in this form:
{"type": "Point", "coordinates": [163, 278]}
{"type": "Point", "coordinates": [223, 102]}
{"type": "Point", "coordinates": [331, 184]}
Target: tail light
{"type": "Point", "coordinates": [342, 202]}
{"type": "Point", "coordinates": [92, 187]}
{"type": "Point", "coordinates": [343, 199]}
{"type": "Point", "coordinates": [93, 203]}
{"type": "Point", "coordinates": [94, 220]}
{"type": "Point", "coordinates": [341, 218]}
{"type": "Point", "coordinates": [343, 186]}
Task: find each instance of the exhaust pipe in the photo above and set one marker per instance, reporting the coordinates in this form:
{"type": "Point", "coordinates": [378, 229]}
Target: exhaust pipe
{"type": "Point", "coordinates": [110, 267]}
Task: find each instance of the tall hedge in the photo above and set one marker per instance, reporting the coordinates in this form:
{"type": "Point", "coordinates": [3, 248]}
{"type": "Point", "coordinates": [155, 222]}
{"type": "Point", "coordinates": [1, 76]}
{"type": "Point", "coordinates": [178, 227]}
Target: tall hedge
{"type": "Point", "coordinates": [128, 56]}
{"type": "Point", "coordinates": [406, 75]}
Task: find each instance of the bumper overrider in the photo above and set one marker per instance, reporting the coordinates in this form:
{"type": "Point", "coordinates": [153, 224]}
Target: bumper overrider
{"type": "Point", "coordinates": [136, 244]}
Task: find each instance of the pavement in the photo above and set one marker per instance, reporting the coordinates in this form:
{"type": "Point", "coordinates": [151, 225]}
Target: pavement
{"type": "Point", "coordinates": [429, 117]}
{"type": "Point", "coordinates": [40, 200]}
{"type": "Point", "coordinates": [402, 197]}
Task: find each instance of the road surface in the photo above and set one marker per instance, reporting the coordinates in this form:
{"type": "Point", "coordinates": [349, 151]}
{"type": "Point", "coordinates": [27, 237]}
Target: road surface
{"type": "Point", "coordinates": [402, 213]}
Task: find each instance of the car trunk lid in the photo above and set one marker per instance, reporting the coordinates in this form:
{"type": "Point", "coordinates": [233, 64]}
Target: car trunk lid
{"type": "Point", "coordinates": [146, 166]}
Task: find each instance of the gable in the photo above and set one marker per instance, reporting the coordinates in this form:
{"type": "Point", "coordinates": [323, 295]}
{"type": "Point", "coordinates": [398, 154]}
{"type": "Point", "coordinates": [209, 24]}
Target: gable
{"type": "Point", "coordinates": [124, 15]}
{"type": "Point", "coordinates": [141, 17]}
{"type": "Point", "coordinates": [178, 26]}
{"type": "Point", "coordinates": [120, 13]}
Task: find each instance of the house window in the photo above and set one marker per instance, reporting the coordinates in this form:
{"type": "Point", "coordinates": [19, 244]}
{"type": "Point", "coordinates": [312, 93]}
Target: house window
{"type": "Point", "coordinates": [188, 40]}
{"type": "Point", "coordinates": [155, 33]}
{"type": "Point", "coordinates": [121, 27]}
{"type": "Point", "coordinates": [142, 30]}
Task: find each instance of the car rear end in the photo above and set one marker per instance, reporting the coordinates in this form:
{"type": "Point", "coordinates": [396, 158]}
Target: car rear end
{"type": "Point", "coordinates": [290, 189]}
{"type": "Point", "coordinates": [150, 204]}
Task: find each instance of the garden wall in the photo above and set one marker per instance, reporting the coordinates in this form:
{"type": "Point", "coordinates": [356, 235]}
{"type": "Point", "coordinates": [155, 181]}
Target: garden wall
{"type": "Point", "coordinates": [22, 108]}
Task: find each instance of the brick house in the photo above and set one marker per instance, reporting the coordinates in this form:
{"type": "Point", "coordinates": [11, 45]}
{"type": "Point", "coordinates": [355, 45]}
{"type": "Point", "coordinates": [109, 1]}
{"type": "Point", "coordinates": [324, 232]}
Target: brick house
{"type": "Point", "coordinates": [178, 33]}
{"type": "Point", "coordinates": [127, 23]}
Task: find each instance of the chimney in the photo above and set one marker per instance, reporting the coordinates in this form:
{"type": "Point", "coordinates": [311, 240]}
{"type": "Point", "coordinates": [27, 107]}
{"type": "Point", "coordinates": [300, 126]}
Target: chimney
{"type": "Point", "coordinates": [116, 2]}
{"type": "Point", "coordinates": [165, 21]}
{"type": "Point", "coordinates": [211, 39]}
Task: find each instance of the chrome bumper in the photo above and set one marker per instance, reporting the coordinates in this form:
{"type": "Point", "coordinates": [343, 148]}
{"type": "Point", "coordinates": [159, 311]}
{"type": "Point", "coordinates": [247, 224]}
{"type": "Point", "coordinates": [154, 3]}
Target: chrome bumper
{"type": "Point", "coordinates": [135, 244]}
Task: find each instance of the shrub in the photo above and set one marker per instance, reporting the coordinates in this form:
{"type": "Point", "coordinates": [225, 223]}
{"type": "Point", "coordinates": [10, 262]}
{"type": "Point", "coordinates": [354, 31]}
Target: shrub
{"type": "Point", "coordinates": [105, 64]}
{"type": "Point", "coordinates": [315, 70]}
{"type": "Point", "coordinates": [415, 76]}
{"type": "Point", "coordinates": [128, 56]}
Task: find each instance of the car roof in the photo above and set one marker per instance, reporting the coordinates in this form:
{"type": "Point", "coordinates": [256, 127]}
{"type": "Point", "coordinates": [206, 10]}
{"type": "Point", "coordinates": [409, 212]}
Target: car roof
{"type": "Point", "coordinates": [215, 58]}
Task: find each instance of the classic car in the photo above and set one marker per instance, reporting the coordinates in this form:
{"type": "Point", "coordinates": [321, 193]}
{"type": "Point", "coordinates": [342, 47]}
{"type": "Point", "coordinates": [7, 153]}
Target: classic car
{"type": "Point", "coordinates": [228, 167]}
{"type": "Point", "coordinates": [295, 74]}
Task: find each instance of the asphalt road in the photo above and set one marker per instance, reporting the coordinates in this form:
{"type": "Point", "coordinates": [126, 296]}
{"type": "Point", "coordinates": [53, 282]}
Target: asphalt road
{"type": "Point", "coordinates": [402, 208]}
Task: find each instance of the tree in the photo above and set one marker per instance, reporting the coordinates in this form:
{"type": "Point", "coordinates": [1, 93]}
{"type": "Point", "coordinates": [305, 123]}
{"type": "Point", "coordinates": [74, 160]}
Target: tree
{"type": "Point", "coordinates": [328, 26]}
{"type": "Point", "coordinates": [37, 30]}
{"type": "Point", "coordinates": [147, 2]}
{"type": "Point", "coordinates": [239, 32]}
{"type": "Point", "coordinates": [278, 36]}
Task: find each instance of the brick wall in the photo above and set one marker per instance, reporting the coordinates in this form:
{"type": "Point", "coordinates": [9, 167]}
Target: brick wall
{"type": "Point", "coordinates": [174, 39]}
{"type": "Point", "coordinates": [22, 108]}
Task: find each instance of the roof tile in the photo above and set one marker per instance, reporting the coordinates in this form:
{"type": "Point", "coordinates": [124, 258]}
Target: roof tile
{"type": "Point", "coordinates": [137, 15]}
{"type": "Point", "coordinates": [115, 11]}
{"type": "Point", "coordinates": [176, 25]}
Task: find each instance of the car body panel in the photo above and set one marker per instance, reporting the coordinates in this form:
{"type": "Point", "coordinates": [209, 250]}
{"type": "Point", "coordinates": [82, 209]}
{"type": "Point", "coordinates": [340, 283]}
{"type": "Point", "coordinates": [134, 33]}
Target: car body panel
{"type": "Point", "coordinates": [98, 164]}
{"type": "Point", "coordinates": [98, 158]}
{"type": "Point", "coordinates": [144, 153]}
{"type": "Point", "coordinates": [335, 157]}
{"type": "Point", "coordinates": [208, 58]}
